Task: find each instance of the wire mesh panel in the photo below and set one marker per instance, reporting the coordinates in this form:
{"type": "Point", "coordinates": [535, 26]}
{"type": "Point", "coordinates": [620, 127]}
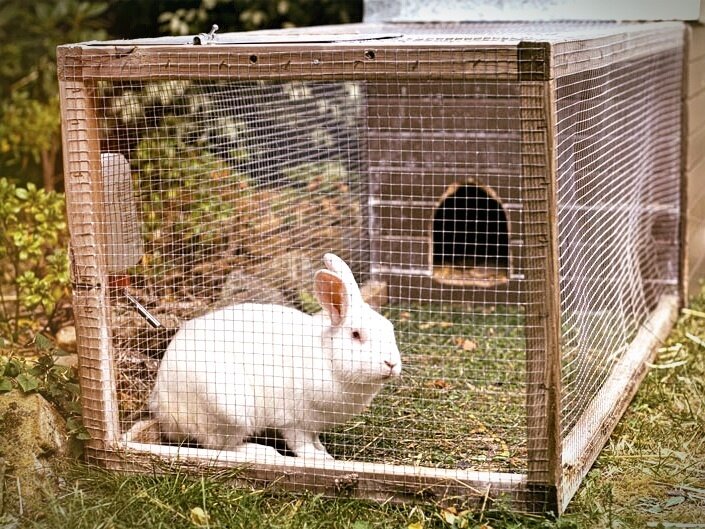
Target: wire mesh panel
{"type": "Point", "coordinates": [350, 258]}
{"type": "Point", "coordinates": [618, 217]}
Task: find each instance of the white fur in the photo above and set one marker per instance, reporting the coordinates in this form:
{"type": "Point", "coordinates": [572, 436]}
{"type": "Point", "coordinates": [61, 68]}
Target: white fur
{"type": "Point", "coordinates": [235, 372]}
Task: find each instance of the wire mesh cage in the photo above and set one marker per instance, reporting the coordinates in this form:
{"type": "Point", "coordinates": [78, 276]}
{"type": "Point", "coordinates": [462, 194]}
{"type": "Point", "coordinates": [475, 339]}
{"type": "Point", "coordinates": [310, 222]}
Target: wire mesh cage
{"type": "Point", "coordinates": [392, 261]}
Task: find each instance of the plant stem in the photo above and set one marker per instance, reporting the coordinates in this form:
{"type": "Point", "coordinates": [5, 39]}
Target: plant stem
{"type": "Point", "coordinates": [16, 323]}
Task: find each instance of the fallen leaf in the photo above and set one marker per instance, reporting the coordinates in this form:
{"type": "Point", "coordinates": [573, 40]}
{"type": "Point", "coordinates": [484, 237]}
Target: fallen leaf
{"type": "Point", "coordinates": [469, 345]}
{"type": "Point", "coordinates": [199, 517]}
{"type": "Point", "coordinates": [415, 525]}
{"type": "Point", "coordinates": [465, 344]}
{"type": "Point", "coordinates": [438, 384]}
{"type": "Point", "coordinates": [441, 324]}
{"type": "Point", "coordinates": [449, 517]}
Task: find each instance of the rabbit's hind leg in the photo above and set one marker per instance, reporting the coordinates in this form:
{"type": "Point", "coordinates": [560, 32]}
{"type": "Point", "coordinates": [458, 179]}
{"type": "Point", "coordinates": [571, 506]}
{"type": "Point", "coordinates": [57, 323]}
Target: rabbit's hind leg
{"type": "Point", "coordinates": [257, 453]}
{"type": "Point", "coordinates": [306, 444]}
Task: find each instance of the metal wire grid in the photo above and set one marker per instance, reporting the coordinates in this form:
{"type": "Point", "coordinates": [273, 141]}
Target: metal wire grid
{"type": "Point", "coordinates": [619, 209]}
{"type": "Point", "coordinates": [247, 217]}
{"type": "Point", "coordinates": [411, 180]}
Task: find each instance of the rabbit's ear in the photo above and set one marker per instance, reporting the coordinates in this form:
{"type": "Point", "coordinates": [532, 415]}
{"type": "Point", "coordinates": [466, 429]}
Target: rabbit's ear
{"type": "Point", "coordinates": [340, 267]}
{"type": "Point", "coordinates": [332, 295]}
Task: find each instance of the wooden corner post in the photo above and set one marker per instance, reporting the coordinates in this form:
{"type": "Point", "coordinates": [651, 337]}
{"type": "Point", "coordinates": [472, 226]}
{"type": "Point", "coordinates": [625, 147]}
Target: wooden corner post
{"type": "Point", "coordinates": [83, 185]}
{"type": "Point", "coordinates": [540, 259]}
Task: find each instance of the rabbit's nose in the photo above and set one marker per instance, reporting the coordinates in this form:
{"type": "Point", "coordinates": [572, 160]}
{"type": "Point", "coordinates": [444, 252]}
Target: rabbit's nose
{"type": "Point", "coordinates": [390, 365]}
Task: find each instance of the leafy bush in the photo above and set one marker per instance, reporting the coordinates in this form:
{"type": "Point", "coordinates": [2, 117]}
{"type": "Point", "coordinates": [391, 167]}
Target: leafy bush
{"type": "Point", "coordinates": [30, 139]}
{"type": "Point", "coordinates": [238, 15]}
{"type": "Point", "coordinates": [34, 276]}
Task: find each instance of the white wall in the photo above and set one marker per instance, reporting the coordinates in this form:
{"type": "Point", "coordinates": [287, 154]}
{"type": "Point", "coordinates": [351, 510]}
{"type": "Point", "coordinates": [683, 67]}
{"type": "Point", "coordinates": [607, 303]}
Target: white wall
{"type": "Point", "coordinates": [473, 10]}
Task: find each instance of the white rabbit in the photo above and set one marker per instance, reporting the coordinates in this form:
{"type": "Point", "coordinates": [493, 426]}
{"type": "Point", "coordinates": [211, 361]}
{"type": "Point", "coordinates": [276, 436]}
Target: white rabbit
{"type": "Point", "coordinates": [247, 368]}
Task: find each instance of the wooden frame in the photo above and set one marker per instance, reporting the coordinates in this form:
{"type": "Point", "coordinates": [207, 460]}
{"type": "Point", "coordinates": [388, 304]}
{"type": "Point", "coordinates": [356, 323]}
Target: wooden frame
{"type": "Point", "coordinates": [83, 182]}
{"type": "Point", "coordinates": [555, 464]}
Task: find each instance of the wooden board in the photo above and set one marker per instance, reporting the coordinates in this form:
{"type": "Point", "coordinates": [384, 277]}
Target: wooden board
{"type": "Point", "coordinates": [693, 230]}
{"type": "Point", "coordinates": [695, 73]}
{"type": "Point", "coordinates": [543, 355]}
{"type": "Point", "coordinates": [84, 196]}
{"type": "Point", "coordinates": [340, 478]}
{"type": "Point", "coordinates": [695, 39]}
{"type": "Point", "coordinates": [287, 62]}
{"type": "Point", "coordinates": [695, 108]}
{"type": "Point", "coordinates": [695, 227]}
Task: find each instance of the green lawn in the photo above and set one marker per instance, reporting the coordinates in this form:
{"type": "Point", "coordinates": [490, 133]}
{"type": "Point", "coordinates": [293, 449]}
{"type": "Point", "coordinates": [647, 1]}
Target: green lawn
{"type": "Point", "coordinates": [461, 400]}
{"type": "Point", "coordinates": [652, 471]}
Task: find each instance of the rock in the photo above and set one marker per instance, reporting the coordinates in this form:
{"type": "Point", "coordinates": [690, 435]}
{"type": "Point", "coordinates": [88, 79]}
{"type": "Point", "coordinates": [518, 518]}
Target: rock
{"type": "Point", "coordinates": [66, 338]}
{"type": "Point", "coordinates": [32, 435]}
{"type": "Point", "coordinates": [70, 361]}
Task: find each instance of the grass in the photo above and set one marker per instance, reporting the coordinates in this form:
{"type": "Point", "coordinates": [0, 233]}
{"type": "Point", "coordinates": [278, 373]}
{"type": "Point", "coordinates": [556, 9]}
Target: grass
{"type": "Point", "coordinates": [461, 401]}
{"type": "Point", "coordinates": [651, 472]}
{"type": "Point", "coordinates": [98, 499]}
{"type": "Point", "coordinates": [653, 468]}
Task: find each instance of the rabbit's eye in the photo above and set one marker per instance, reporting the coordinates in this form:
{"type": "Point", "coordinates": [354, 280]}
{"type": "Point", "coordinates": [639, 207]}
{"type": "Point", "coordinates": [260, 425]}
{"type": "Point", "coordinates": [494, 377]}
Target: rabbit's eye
{"type": "Point", "coordinates": [357, 335]}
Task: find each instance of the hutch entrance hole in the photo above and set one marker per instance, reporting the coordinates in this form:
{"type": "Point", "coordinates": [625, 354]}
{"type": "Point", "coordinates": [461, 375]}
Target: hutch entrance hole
{"type": "Point", "coordinates": [470, 238]}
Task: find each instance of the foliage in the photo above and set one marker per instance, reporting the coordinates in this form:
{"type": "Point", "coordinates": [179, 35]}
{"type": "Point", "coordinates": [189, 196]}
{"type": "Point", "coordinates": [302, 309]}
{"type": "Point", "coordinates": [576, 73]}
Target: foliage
{"type": "Point", "coordinates": [29, 133]}
{"type": "Point", "coordinates": [31, 31]}
{"type": "Point", "coordinates": [249, 15]}
{"type": "Point", "coordinates": [33, 259]}
{"type": "Point", "coordinates": [57, 383]}
{"type": "Point", "coordinates": [208, 184]}
{"type": "Point", "coordinates": [29, 115]}
{"type": "Point", "coordinates": [651, 472]}
{"type": "Point", "coordinates": [653, 469]}
{"type": "Point", "coordinates": [175, 199]}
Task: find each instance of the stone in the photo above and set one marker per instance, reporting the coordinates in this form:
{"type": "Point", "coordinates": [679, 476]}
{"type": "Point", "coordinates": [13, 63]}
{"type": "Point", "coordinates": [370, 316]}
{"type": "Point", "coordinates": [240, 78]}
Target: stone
{"type": "Point", "coordinates": [66, 338]}
{"type": "Point", "coordinates": [70, 361]}
{"type": "Point", "coordinates": [32, 436]}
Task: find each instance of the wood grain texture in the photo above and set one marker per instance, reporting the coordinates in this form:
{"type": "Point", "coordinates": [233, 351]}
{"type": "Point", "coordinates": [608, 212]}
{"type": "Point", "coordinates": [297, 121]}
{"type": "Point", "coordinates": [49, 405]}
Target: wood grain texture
{"type": "Point", "coordinates": [382, 482]}
{"type": "Point", "coordinates": [310, 61]}
{"type": "Point", "coordinates": [83, 185]}
{"type": "Point", "coordinates": [543, 307]}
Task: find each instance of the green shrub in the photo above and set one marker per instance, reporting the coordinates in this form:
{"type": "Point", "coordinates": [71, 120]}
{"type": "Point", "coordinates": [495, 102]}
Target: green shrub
{"type": "Point", "coordinates": [34, 276]}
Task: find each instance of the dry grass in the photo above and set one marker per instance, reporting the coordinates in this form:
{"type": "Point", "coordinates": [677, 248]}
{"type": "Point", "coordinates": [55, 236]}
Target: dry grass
{"type": "Point", "coordinates": [653, 469]}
